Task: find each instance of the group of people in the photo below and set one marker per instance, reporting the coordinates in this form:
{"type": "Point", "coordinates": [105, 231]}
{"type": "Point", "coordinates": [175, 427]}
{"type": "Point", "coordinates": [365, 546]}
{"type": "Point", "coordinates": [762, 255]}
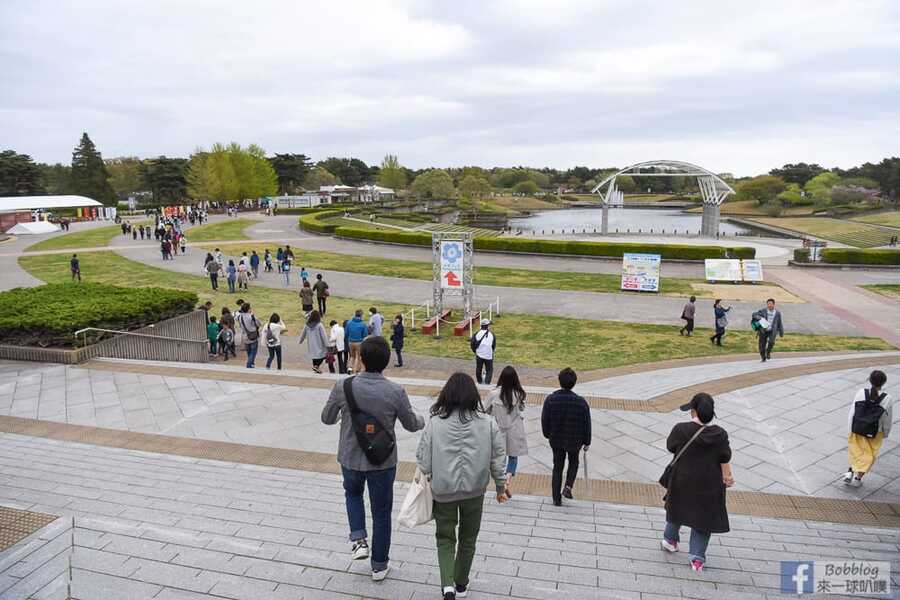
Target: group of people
{"type": "Point", "coordinates": [766, 322]}
{"type": "Point", "coordinates": [465, 445]}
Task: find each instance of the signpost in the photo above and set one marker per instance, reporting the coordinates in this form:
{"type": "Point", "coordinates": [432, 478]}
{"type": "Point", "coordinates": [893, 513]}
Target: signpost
{"type": "Point", "coordinates": [640, 272]}
{"type": "Point", "coordinates": [723, 269]}
{"type": "Point", "coordinates": [752, 270]}
{"type": "Point", "coordinates": [452, 270]}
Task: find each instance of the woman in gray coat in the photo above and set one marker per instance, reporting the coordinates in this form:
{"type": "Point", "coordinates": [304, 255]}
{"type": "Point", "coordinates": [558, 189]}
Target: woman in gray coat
{"type": "Point", "coordinates": [506, 403]}
{"type": "Point", "coordinates": [316, 339]}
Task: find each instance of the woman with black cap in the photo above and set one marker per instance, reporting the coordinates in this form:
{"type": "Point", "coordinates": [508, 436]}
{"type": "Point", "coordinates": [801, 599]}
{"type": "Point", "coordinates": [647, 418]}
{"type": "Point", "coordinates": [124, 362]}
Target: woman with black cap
{"type": "Point", "coordinates": [697, 480]}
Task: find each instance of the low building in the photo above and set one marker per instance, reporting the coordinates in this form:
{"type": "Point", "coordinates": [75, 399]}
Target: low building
{"type": "Point", "coordinates": [29, 209]}
{"type": "Point", "coordinates": [306, 200]}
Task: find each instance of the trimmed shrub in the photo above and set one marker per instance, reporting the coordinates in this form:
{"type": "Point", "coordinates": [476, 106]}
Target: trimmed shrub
{"type": "Point", "coordinates": [50, 315]}
{"type": "Point", "coordinates": [853, 256]}
{"type": "Point", "coordinates": [311, 222]}
{"type": "Point", "coordinates": [801, 255]}
{"type": "Point", "coordinates": [314, 209]}
{"type": "Point", "coordinates": [541, 246]}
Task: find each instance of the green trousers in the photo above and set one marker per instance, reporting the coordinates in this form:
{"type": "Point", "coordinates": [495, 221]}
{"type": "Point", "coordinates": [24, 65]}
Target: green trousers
{"type": "Point", "coordinates": [455, 560]}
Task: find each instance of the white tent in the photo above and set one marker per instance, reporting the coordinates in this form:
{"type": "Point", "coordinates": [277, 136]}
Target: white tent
{"type": "Point", "coordinates": [22, 203]}
{"type": "Point", "coordinates": [33, 228]}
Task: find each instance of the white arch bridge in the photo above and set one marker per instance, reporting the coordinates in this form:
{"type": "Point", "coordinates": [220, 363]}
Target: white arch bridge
{"type": "Point", "coordinates": [713, 189]}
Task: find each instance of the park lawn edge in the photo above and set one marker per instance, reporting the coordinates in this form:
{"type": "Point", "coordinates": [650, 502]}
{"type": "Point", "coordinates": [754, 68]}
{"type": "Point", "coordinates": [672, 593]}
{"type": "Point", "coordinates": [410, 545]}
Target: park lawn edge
{"type": "Point", "coordinates": [525, 340]}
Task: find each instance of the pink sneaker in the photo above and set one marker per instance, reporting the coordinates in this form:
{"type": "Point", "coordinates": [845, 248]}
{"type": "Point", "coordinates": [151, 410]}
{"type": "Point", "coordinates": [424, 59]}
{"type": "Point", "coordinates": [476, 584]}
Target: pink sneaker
{"type": "Point", "coordinates": [669, 546]}
{"type": "Point", "coordinates": [697, 565]}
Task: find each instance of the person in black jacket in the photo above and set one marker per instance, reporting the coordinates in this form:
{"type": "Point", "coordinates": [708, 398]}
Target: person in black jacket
{"type": "Point", "coordinates": [696, 492]}
{"type": "Point", "coordinates": [566, 422]}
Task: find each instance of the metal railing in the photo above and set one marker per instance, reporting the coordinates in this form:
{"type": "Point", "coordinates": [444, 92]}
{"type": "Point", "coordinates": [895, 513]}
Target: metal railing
{"type": "Point", "coordinates": [166, 340]}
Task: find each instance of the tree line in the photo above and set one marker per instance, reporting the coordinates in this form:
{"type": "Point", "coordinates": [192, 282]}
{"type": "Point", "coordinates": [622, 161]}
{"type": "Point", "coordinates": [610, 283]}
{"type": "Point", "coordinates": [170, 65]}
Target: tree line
{"type": "Point", "coordinates": [229, 173]}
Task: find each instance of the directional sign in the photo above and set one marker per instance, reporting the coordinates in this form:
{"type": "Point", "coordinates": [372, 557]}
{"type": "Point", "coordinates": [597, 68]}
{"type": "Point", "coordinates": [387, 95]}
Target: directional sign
{"type": "Point", "coordinates": [452, 263]}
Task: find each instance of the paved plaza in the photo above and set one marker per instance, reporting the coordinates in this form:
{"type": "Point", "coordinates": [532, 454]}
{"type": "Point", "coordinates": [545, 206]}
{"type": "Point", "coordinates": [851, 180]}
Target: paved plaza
{"type": "Point", "coordinates": [174, 528]}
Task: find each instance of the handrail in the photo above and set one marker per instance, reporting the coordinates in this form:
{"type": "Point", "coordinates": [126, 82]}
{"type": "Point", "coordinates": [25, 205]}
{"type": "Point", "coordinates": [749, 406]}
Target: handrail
{"type": "Point", "coordinates": [155, 337]}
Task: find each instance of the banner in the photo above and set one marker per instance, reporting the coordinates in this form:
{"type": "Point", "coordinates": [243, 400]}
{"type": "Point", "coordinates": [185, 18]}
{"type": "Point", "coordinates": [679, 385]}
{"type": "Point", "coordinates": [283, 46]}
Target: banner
{"type": "Point", "coordinates": [452, 265]}
{"type": "Point", "coordinates": [752, 270]}
{"type": "Point", "coordinates": [640, 272]}
{"type": "Point", "coordinates": [723, 269]}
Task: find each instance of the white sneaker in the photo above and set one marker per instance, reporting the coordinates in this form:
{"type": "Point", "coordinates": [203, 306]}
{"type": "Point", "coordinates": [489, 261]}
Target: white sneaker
{"type": "Point", "coordinates": [360, 550]}
{"type": "Point", "coordinates": [381, 575]}
{"type": "Point", "coordinates": [848, 478]}
{"type": "Point", "coordinates": [669, 547]}
{"type": "Point", "coordinates": [857, 481]}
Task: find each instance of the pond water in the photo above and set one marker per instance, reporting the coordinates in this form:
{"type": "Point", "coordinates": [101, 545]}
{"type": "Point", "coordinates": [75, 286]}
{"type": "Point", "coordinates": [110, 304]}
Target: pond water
{"type": "Point", "coordinates": [621, 218]}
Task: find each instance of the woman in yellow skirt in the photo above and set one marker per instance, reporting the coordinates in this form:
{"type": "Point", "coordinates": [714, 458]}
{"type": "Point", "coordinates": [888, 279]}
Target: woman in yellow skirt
{"type": "Point", "coordinates": [864, 443]}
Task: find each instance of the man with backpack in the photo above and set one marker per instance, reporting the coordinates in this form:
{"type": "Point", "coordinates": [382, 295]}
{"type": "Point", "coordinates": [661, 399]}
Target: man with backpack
{"type": "Point", "coordinates": [368, 406]}
{"type": "Point", "coordinates": [869, 420]}
{"type": "Point", "coordinates": [483, 344]}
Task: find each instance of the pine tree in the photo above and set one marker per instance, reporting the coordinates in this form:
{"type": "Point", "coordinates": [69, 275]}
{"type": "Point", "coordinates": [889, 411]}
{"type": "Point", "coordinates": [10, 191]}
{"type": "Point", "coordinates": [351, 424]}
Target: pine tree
{"type": "Point", "coordinates": [89, 175]}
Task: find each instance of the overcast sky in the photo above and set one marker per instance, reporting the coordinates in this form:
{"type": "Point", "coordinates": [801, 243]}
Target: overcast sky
{"type": "Point", "coordinates": [733, 86]}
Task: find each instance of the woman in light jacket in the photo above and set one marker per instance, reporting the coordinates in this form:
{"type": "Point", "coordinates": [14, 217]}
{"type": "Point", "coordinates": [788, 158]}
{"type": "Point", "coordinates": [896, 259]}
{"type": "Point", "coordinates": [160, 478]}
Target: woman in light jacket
{"type": "Point", "coordinates": [861, 449]}
{"type": "Point", "coordinates": [337, 341]}
{"type": "Point", "coordinates": [461, 449]}
{"type": "Point", "coordinates": [506, 403]}
{"type": "Point", "coordinates": [317, 340]}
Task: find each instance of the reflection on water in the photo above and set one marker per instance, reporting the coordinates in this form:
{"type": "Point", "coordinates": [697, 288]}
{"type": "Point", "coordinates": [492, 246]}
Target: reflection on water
{"type": "Point", "coordinates": [621, 218]}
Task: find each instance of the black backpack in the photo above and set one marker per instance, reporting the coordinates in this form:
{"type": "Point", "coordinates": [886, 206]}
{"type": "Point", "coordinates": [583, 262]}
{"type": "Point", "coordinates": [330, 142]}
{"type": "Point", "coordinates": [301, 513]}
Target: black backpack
{"type": "Point", "coordinates": [867, 415]}
{"type": "Point", "coordinates": [376, 441]}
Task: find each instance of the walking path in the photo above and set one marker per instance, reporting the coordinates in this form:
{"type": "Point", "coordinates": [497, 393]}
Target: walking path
{"type": "Point", "coordinates": [169, 527]}
{"type": "Point", "coordinates": [799, 318]}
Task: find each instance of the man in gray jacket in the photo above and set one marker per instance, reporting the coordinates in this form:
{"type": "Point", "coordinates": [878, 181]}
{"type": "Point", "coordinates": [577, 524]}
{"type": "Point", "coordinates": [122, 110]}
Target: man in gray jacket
{"type": "Point", "coordinates": [387, 402]}
{"type": "Point", "coordinates": [771, 318]}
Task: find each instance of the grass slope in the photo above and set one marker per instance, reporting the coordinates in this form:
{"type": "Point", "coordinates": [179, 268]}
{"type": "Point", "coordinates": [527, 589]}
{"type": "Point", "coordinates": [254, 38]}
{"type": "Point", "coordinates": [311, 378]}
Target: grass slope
{"type": "Point", "coordinates": [94, 237]}
{"type": "Point", "coordinates": [890, 219]}
{"type": "Point", "coordinates": [859, 235]}
{"type": "Point", "coordinates": [522, 339]}
{"type": "Point", "coordinates": [221, 231]}
{"type": "Point", "coordinates": [891, 290]}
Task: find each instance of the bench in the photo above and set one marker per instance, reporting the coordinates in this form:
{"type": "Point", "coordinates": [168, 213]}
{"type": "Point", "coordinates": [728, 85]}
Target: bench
{"type": "Point", "coordinates": [429, 326]}
{"type": "Point", "coordinates": [464, 326]}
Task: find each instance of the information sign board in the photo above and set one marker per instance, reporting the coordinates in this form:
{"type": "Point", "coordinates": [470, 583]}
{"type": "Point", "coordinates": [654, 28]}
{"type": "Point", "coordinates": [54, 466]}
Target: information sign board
{"type": "Point", "coordinates": [640, 272]}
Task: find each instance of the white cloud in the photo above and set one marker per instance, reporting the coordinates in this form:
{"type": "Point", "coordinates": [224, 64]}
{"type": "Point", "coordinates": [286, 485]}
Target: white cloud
{"type": "Point", "coordinates": [749, 86]}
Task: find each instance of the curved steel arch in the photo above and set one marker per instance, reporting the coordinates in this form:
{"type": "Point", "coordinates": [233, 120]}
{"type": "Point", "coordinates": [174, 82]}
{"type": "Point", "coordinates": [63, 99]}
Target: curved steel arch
{"type": "Point", "coordinates": [713, 188]}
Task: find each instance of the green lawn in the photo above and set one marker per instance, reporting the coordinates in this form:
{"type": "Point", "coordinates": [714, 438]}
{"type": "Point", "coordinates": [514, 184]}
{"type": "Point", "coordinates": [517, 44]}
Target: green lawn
{"type": "Point", "coordinates": [524, 340]}
{"type": "Point", "coordinates": [891, 290]}
{"type": "Point", "coordinates": [859, 235]}
{"type": "Point", "coordinates": [891, 218]}
{"type": "Point", "coordinates": [409, 269]}
{"type": "Point", "coordinates": [88, 238]}
{"type": "Point", "coordinates": [232, 229]}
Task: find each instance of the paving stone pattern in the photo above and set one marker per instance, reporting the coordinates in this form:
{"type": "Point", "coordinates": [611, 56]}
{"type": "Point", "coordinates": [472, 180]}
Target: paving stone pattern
{"type": "Point", "coordinates": [176, 528]}
{"type": "Point", "coordinates": [788, 437]}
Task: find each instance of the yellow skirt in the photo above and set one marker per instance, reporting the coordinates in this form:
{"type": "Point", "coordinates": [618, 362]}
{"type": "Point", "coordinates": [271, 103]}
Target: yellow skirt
{"type": "Point", "coordinates": [863, 450]}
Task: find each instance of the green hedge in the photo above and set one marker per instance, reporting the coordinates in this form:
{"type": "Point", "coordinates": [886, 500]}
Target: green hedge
{"type": "Point", "coordinates": [540, 246]}
{"type": "Point", "coordinates": [801, 255]}
{"type": "Point", "coordinates": [314, 209]}
{"type": "Point", "coordinates": [50, 315]}
{"type": "Point", "coordinates": [853, 256]}
{"type": "Point", "coordinates": [311, 222]}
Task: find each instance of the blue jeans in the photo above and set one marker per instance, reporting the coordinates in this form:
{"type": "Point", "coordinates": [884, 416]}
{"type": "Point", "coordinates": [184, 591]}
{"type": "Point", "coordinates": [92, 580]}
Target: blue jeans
{"type": "Point", "coordinates": [512, 462]}
{"type": "Point", "coordinates": [699, 541]}
{"type": "Point", "coordinates": [251, 354]}
{"type": "Point", "coordinates": [381, 498]}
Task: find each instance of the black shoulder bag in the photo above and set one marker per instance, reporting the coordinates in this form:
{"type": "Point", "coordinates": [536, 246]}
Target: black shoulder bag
{"type": "Point", "coordinates": [375, 440]}
{"type": "Point", "coordinates": [666, 479]}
